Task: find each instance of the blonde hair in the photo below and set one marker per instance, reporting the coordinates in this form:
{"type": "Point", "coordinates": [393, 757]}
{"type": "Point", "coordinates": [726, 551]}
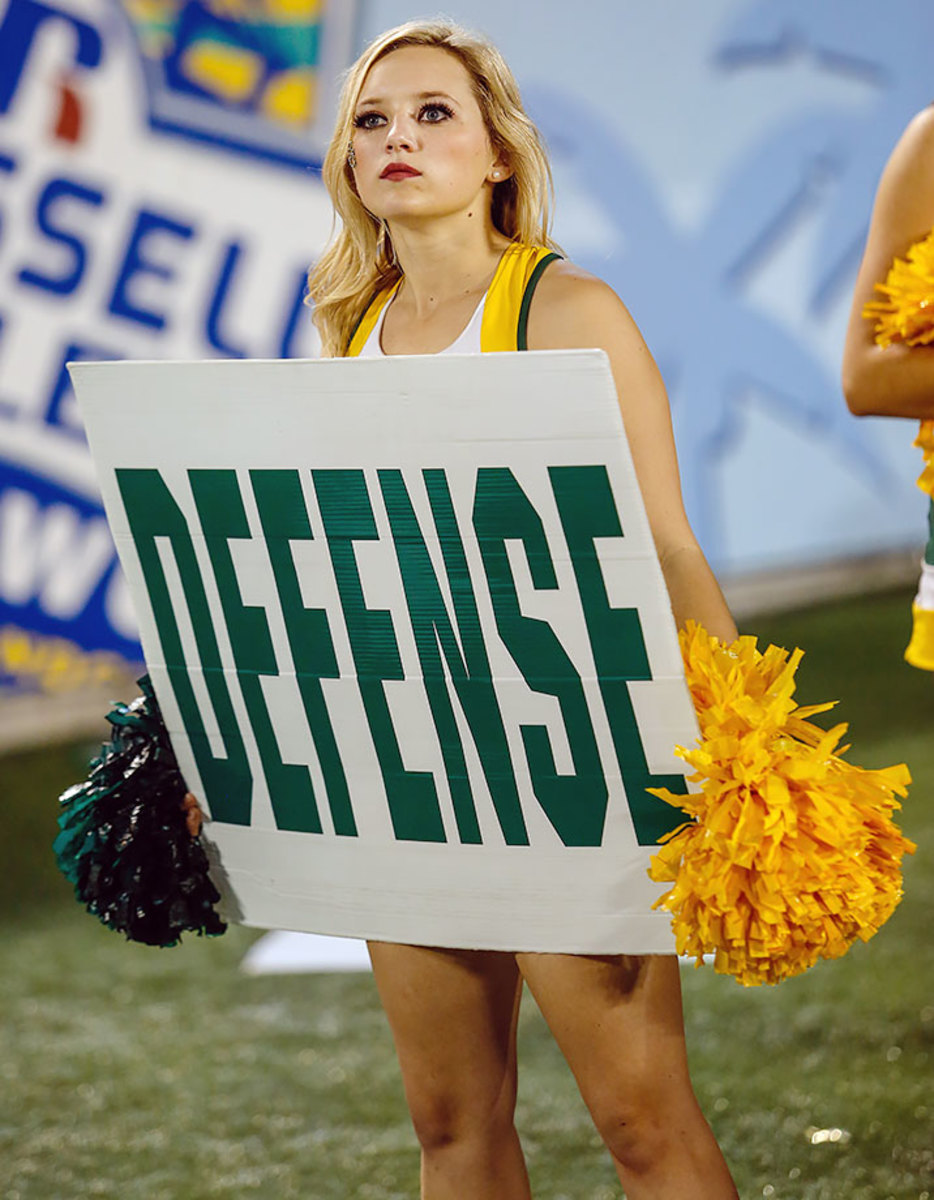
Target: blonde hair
{"type": "Point", "coordinates": [359, 261]}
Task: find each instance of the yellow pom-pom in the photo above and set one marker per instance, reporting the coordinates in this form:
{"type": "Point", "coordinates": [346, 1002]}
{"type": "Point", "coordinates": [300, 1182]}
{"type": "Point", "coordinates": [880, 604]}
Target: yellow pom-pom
{"type": "Point", "coordinates": [925, 443]}
{"type": "Point", "coordinates": [907, 312]}
{"type": "Point", "coordinates": [792, 853]}
{"type": "Point", "coordinates": [906, 315]}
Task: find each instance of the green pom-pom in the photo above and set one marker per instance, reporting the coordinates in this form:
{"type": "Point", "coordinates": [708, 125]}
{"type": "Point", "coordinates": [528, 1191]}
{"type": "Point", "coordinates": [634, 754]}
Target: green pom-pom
{"type": "Point", "coordinates": [124, 842]}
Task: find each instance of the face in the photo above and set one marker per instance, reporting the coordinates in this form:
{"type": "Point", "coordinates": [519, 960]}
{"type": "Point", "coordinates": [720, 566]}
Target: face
{"type": "Point", "coordinates": [421, 145]}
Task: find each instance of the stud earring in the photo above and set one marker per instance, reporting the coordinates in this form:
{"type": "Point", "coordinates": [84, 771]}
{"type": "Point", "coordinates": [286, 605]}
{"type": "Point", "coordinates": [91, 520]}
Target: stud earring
{"type": "Point", "coordinates": [351, 156]}
{"type": "Point", "coordinates": [496, 174]}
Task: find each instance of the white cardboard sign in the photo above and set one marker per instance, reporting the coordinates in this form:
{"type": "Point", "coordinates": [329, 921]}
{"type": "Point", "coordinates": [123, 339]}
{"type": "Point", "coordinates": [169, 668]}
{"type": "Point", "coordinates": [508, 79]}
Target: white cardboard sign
{"type": "Point", "coordinates": [410, 638]}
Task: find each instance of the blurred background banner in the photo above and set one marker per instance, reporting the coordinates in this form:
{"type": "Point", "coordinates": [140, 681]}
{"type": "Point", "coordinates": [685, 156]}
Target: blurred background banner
{"type": "Point", "coordinates": [159, 198]}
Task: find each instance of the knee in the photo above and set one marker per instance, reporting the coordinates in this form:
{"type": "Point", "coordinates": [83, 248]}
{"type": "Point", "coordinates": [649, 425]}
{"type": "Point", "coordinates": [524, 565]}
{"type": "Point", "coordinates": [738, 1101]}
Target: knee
{"type": "Point", "coordinates": [445, 1118]}
{"type": "Point", "coordinates": [637, 1130]}
{"type": "Point", "coordinates": [437, 1122]}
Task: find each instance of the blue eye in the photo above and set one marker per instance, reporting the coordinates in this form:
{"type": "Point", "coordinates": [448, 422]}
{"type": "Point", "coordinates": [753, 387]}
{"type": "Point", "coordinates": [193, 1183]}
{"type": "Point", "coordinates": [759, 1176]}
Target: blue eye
{"type": "Point", "coordinates": [369, 120]}
{"type": "Point", "coordinates": [434, 114]}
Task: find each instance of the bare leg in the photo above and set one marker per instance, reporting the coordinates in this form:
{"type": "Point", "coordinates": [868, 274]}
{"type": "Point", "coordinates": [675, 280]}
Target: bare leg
{"type": "Point", "coordinates": [453, 1016]}
{"type": "Point", "coordinates": [618, 1021]}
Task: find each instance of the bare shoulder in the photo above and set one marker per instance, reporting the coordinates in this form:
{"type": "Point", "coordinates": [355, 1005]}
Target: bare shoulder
{"type": "Point", "coordinates": [911, 164]}
{"type": "Point", "coordinates": [567, 285]}
{"type": "Point", "coordinates": [903, 210]}
{"type": "Point", "coordinates": [572, 307]}
{"type": "Point", "coordinates": [917, 142]}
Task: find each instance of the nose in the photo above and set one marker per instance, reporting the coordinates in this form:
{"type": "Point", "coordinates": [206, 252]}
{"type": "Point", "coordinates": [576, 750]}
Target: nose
{"type": "Point", "coordinates": [400, 134]}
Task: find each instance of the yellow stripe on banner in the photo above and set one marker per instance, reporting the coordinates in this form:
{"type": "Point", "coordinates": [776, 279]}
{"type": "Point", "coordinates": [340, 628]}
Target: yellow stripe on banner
{"type": "Point", "coordinates": [226, 71]}
{"type": "Point", "coordinates": [290, 96]}
{"type": "Point", "coordinates": [294, 10]}
{"type": "Point", "coordinates": [54, 664]}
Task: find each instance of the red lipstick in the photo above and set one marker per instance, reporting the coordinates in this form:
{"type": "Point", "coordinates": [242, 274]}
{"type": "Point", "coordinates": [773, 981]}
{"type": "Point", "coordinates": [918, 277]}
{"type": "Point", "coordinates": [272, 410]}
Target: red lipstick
{"type": "Point", "coordinates": [398, 170]}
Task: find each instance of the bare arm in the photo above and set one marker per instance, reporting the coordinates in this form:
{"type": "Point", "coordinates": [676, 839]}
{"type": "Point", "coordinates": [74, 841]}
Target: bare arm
{"type": "Point", "coordinates": [573, 310]}
{"type": "Point", "coordinates": [897, 381]}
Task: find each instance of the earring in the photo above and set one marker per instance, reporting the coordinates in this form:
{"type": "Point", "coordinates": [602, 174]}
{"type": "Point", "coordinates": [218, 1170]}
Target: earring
{"type": "Point", "coordinates": [351, 155]}
{"type": "Point", "coordinates": [496, 174]}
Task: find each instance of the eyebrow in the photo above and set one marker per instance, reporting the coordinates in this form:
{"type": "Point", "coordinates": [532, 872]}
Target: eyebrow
{"type": "Point", "coordinates": [377, 100]}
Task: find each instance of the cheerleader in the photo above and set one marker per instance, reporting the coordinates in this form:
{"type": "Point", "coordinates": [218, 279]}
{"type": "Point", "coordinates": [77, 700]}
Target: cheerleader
{"type": "Point", "coordinates": [888, 365]}
{"type": "Point", "coordinates": [441, 186]}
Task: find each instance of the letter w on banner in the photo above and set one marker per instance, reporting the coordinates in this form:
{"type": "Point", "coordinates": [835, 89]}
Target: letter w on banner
{"type": "Point", "coordinates": [410, 636]}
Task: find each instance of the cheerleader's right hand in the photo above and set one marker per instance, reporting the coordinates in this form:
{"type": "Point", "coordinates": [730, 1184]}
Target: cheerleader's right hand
{"type": "Point", "coordinates": [194, 817]}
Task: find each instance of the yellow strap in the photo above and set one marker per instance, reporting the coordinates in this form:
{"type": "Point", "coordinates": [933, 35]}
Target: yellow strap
{"type": "Point", "coordinates": [499, 330]}
{"type": "Point", "coordinates": [369, 319]}
{"type": "Point", "coordinates": [500, 325]}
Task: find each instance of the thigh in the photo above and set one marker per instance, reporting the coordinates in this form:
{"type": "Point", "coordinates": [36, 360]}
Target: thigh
{"type": "Point", "coordinates": [453, 1016]}
{"type": "Point", "coordinates": [618, 1020]}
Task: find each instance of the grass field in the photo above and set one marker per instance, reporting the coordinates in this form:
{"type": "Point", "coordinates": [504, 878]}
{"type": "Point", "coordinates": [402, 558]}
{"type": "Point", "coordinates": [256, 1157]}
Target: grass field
{"type": "Point", "coordinates": [144, 1074]}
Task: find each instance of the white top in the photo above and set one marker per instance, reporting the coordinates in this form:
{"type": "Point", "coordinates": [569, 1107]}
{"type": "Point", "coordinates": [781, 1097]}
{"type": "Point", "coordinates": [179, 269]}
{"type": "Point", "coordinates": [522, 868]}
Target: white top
{"type": "Point", "coordinates": [466, 342]}
{"type": "Point", "coordinates": [925, 596]}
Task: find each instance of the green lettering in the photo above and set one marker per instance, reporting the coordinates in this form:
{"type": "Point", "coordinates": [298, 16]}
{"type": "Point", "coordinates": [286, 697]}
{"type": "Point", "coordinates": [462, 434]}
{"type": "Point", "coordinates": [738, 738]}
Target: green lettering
{"type": "Point", "coordinates": [284, 519]}
{"type": "Point", "coordinates": [574, 804]}
{"type": "Point", "coordinates": [469, 670]}
{"type": "Point", "coordinates": [153, 513]}
{"type": "Point", "coordinates": [348, 517]}
{"type": "Point", "coordinates": [587, 510]}
{"type": "Point", "coordinates": [223, 517]}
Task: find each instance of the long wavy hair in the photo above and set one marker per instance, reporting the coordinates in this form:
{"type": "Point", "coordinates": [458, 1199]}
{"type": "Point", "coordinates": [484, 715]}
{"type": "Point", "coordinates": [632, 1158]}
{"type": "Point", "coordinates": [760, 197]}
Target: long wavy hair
{"type": "Point", "coordinates": [359, 262]}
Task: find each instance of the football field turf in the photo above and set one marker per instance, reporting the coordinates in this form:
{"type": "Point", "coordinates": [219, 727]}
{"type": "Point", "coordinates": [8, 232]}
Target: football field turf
{"type": "Point", "coordinates": [143, 1074]}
